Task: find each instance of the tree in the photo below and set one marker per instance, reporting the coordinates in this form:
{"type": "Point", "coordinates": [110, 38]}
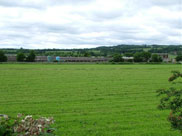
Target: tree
{"type": "Point", "coordinates": [138, 57]}
{"type": "Point", "coordinates": [156, 58]}
{"type": "Point", "coordinates": [128, 54]}
{"type": "Point", "coordinates": [31, 56]}
{"type": "Point", "coordinates": [179, 58]}
{"type": "Point", "coordinates": [146, 56]}
{"type": "Point", "coordinates": [172, 99]}
{"type": "Point", "coordinates": [20, 57]}
{"type": "Point", "coordinates": [3, 58]}
{"type": "Point", "coordinates": [117, 58]}
{"type": "Point", "coordinates": [86, 54]}
{"type": "Point", "coordinates": [142, 56]}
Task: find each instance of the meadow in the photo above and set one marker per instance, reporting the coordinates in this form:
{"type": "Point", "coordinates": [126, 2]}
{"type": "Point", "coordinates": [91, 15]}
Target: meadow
{"type": "Point", "coordinates": [95, 99]}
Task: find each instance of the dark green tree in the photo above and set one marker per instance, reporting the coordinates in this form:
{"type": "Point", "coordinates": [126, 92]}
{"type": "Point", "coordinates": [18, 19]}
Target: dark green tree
{"type": "Point", "coordinates": [142, 56]}
{"type": "Point", "coordinates": [86, 54]}
{"type": "Point", "coordinates": [3, 57]}
{"type": "Point", "coordinates": [179, 58]}
{"type": "Point", "coordinates": [20, 57]}
{"type": "Point", "coordinates": [128, 54]}
{"type": "Point", "coordinates": [117, 58]}
{"type": "Point", "coordinates": [156, 58]}
{"type": "Point", "coordinates": [146, 56]}
{"type": "Point", "coordinates": [31, 56]}
{"type": "Point", "coordinates": [138, 57]}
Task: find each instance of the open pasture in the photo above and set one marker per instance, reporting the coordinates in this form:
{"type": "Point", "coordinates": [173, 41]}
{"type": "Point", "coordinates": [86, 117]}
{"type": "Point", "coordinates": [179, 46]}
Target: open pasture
{"type": "Point", "coordinates": [115, 100]}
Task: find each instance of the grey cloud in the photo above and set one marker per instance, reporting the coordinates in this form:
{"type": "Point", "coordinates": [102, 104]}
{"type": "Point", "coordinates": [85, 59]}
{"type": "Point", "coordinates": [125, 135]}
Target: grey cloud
{"type": "Point", "coordinates": [93, 28]}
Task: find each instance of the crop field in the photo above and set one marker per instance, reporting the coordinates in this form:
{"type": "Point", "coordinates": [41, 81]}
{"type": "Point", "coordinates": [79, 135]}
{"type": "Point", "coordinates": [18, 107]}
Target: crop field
{"type": "Point", "coordinates": [102, 100]}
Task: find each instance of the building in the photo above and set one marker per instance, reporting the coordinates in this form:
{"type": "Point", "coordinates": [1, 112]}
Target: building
{"type": "Point", "coordinates": [64, 59]}
{"type": "Point", "coordinates": [164, 56]}
{"type": "Point", "coordinates": [128, 59]}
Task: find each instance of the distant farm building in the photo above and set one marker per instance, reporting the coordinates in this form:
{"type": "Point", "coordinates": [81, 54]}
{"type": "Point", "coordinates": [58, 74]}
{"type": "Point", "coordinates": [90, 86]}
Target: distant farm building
{"type": "Point", "coordinates": [63, 59]}
{"type": "Point", "coordinates": [11, 58]}
{"type": "Point", "coordinates": [128, 59]}
{"type": "Point", "coordinates": [164, 56]}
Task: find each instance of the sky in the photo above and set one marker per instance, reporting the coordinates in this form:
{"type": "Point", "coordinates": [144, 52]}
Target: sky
{"type": "Point", "coordinates": [38, 24]}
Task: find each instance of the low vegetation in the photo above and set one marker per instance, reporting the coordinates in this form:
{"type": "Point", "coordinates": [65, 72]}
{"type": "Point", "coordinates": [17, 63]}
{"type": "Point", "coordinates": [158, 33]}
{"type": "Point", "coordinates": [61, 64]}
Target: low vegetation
{"type": "Point", "coordinates": [172, 99]}
{"type": "Point", "coordinates": [25, 126]}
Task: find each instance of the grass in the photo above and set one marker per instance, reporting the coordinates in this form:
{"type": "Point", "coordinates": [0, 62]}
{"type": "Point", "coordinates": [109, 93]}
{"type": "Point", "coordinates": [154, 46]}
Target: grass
{"type": "Point", "coordinates": [115, 100]}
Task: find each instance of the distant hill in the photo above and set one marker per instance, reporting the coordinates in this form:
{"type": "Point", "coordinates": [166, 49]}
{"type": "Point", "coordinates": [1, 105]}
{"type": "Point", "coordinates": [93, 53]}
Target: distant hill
{"type": "Point", "coordinates": [102, 51]}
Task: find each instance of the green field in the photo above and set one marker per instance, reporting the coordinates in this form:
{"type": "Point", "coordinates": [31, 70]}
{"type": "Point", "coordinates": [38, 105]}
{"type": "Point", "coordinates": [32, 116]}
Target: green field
{"type": "Point", "coordinates": [108, 100]}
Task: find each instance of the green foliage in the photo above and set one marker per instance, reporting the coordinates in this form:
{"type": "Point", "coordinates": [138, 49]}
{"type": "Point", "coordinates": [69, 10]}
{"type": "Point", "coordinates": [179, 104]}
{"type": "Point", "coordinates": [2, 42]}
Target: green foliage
{"type": "Point", "coordinates": [179, 58]}
{"type": "Point", "coordinates": [146, 56]}
{"type": "Point", "coordinates": [5, 126]}
{"type": "Point", "coordinates": [86, 54]}
{"type": "Point", "coordinates": [102, 51]}
{"type": "Point", "coordinates": [20, 57]}
{"type": "Point", "coordinates": [128, 54]}
{"type": "Point", "coordinates": [26, 126]}
{"type": "Point", "coordinates": [117, 58]}
{"type": "Point", "coordinates": [3, 58]}
{"type": "Point", "coordinates": [31, 56]}
{"type": "Point", "coordinates": [172, 99]}
{"type": "Point", "coordinates": [156, 58]}
{"type": "Point", "coordinates": [175, 75]}
{"type": "Point", "coordinates": [142, 56]}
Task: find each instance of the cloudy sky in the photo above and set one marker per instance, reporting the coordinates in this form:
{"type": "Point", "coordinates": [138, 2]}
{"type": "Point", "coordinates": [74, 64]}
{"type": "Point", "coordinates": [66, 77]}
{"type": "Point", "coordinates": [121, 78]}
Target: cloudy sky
{"type": "Point", "coordinates": [89, 23]}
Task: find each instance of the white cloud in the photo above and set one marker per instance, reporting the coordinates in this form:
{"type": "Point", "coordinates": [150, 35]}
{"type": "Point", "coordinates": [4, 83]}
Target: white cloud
{"type": "Point", "coordinates": [90, 23]}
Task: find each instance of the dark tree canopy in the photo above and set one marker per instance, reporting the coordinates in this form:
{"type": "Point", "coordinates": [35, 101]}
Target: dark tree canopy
{"type": "Point", "coordinates": [179, 58]}
{"type": "Point", "coordinates": [20, 57]}
{"type": "Point", "coordinates": [118, 58]}
{"type": "Point", "coordinates": [3, 57]}
{"type": "Point", "coordinates": [31, 56]}
{"type": "Point", "coordinates": [156, 58]}
{"type": "Point", "coordinates": [142, 56]}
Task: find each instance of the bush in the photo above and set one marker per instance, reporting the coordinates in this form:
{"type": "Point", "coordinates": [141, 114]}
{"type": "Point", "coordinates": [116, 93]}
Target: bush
{"type": "Point", "coordinates": [3, 58]}
{"type": "Point", "coordinates": [176, 74]}
{"type": "Point", "coordinates": [26, 126]}
{"type": "Point", "coordinates": [5, 126]}
{"type": "Point", "coordinates": [172, 99]}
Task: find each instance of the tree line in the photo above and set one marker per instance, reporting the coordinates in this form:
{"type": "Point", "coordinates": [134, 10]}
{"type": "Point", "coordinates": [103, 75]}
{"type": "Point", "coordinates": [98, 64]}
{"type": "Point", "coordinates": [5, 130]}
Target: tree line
{"type": "Point", "coordinates": [138, 57]}
{"type": "Point", "coordinates": [20, 57]}
{"type": "Point", "coordinates": [117, 57]}
{"type": "Point", "coordinates": [103, 51]}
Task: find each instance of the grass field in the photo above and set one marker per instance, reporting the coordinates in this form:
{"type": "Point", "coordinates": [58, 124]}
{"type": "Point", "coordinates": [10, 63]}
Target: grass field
{"type": "Point", "coordinates": [115, 100]}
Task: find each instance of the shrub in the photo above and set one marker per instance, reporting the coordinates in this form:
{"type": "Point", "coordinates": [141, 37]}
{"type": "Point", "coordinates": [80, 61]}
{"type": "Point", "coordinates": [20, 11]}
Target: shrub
{"type": "Point", "coordinates": [5, 126]}
{"type": "Point", "coordinates": [176, 74]}
{"type": "Point", "coordinates": [172, 99]}
{"type": "Point", "coordinates": [26, 126]}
